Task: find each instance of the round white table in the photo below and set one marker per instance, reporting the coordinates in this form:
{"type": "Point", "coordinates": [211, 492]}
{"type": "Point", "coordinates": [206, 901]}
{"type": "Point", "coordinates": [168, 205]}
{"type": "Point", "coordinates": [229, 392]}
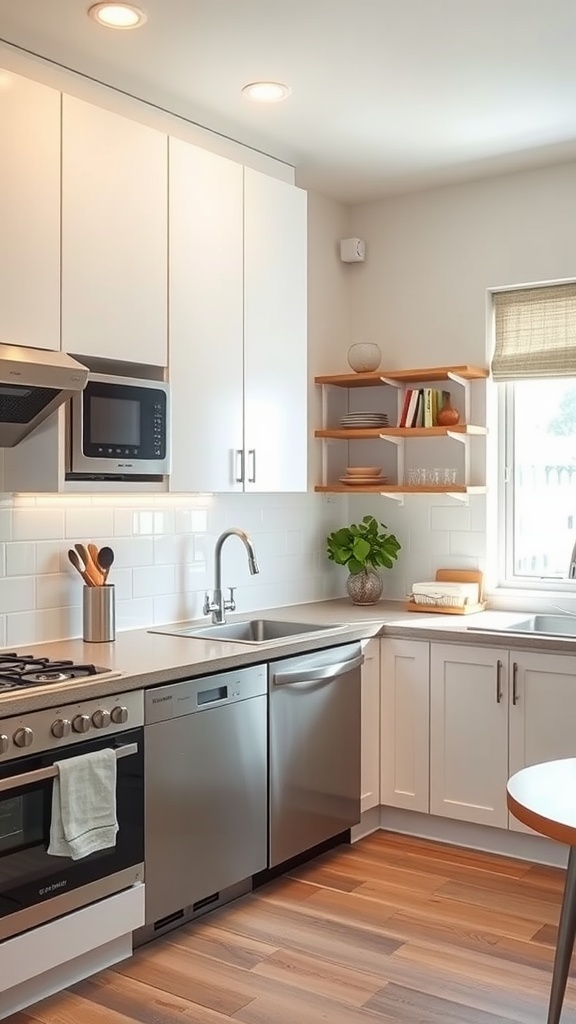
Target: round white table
{"type": "Point", "coordinates": [543, 796]}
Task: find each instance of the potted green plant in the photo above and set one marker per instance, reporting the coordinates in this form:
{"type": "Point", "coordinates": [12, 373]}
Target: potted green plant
{"type": "Point", "coordinates": [364, 549]}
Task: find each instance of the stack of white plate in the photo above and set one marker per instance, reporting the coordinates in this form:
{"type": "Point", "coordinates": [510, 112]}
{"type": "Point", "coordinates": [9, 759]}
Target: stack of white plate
{"type": "Point", "coordinates": [364, 419]}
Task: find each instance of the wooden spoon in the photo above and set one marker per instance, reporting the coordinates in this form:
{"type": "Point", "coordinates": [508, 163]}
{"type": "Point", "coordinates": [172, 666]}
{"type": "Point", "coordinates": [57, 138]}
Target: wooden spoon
{"type": "Point", "coordinates": [105, 560]}
{"type": "Point", "coordinates": [75, 560]}
{"type": "Point", "coordinates": [95, 567]}
{"type": "Point", "coordinates": [91, 572]}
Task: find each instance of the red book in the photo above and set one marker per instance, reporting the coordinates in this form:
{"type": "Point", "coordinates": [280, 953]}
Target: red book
{"type": "Point", "coordinates": [406, 403]}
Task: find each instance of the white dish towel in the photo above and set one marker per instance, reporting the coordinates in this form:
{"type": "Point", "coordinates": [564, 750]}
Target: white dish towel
{"type": "Point", "coordinates": [84, 805]}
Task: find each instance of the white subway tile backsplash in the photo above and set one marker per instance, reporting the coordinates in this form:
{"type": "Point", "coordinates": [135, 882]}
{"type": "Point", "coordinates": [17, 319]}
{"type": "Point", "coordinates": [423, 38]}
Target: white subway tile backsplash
{"type": "Point", "coordinates": [38, 524]}
{"type": "Point", "coordinates": [5, 524]}
{"type": "Point", "coordinates": [17, 593]}
{"type": "Point", "coordinates": [20, 559]}
{"type": "Point", "coordinates": [87, 523]}
{"type": "Point", "coordinates": [58, 591]}
{"type": "Point", "coordinates": [152, 581]}
{"type": "Point", "coordinates": [164, 547]}
{"type": "Point", "coordinates": [455, 517]}
{"type": "Point", "coordinates": [467, 544]}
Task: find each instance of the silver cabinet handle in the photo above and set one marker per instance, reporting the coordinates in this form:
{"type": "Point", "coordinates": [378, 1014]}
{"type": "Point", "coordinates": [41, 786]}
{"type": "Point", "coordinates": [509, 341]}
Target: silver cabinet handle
{"type": "Point", "coordinates": [42, 774]}
{"type": "Point", "coordinates": [313, 674]}
{"type": "Point", "coordinates": [498, 681]}
{"type": "Point", "coordinates": [252, 475]}
{"type": "Point", "coordinates": [515, 683]}
{"type": "Point", "coordinates": [239, 465]}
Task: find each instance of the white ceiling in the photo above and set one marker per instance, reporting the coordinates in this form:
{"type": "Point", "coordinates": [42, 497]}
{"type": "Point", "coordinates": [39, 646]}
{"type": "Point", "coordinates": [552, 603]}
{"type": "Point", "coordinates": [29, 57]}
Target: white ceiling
{"type": "Point", "coordinates": [387, 95]}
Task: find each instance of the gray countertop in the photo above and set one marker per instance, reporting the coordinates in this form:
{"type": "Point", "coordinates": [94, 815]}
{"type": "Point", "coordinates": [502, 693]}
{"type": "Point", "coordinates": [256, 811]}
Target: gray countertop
{"type": "Point", "coordinates": [143, 658]}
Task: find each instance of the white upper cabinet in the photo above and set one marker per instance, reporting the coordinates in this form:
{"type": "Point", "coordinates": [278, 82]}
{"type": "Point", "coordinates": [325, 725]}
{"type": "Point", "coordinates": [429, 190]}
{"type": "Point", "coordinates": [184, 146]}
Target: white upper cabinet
{"type": "Point", "coordinates": [275, 332]}
{"type": "Point", "coordinates": [237, 352]}
{"type": "Point", "coordinates": [29, 213]}
{"type": "Point", "coordinates": [114, 236]}
{"type": "Point", "coordinates": [206, 310]}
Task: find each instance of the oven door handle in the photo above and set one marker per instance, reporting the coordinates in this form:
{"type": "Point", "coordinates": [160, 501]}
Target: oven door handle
{"type": "Point", "coordinates": [42, 774]}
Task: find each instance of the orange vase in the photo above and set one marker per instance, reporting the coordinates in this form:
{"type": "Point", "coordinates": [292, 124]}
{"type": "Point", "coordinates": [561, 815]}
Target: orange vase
{"type": "Point", "coordinates": [448, 416]}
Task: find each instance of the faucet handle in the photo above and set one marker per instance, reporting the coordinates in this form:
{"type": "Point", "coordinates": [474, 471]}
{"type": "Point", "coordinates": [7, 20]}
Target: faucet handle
{"type": "Point", "coordinates": [230, 604]}
{"type": "Point", "coordinates": [207, 603]}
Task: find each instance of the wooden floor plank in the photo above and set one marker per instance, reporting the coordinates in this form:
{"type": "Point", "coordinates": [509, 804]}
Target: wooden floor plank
{"type": "Point", "coordinates": [140, 1002]}
{"type": "Point", "coordinates": [392, 930]}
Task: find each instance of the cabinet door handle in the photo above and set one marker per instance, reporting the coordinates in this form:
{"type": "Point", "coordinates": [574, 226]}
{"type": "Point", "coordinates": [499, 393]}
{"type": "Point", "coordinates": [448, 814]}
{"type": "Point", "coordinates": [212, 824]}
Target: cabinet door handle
{"type": "Point", "coordinates": [498, 681]}
{"type": "Point", "coordinates": [515, 683]}
{"type": "Point", "coordinates": [252, 475]}
{"type": "Point", "coordinates": [239, 465]}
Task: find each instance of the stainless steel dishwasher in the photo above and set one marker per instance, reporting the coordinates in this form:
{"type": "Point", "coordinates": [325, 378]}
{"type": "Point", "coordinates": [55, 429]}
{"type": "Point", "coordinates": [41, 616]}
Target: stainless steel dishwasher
{"type": "Point", "coordinates": [314, 742]}
{"type": "Point", "coordinates": [205, 771]}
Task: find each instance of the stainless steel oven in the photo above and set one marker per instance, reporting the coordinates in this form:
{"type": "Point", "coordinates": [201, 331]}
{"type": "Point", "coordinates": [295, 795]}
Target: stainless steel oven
{"type": "Point", "coordinates": [36, 887]}
{"type": "Point", "coordinates": [119, 427]}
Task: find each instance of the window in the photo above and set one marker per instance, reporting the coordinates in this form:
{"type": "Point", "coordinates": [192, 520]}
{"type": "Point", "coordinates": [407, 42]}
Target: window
{"type": "Point", "coordinates": [535, 363]}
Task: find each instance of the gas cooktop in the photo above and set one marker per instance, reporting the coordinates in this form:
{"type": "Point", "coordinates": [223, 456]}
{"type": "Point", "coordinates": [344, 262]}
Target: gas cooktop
{"type": "Point", "coordinates": [21, 671]}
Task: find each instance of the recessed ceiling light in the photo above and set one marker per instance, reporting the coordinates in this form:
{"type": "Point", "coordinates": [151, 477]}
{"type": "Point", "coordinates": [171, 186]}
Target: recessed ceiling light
{"type": "Point", "coordinates": [266, 92]}
{"type": "Point", "coordinates": [117, 15]}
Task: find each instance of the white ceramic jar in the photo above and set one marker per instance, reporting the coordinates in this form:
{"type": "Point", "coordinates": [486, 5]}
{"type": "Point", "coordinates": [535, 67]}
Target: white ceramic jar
{"type": "Point", "coordinates": [364, 357]}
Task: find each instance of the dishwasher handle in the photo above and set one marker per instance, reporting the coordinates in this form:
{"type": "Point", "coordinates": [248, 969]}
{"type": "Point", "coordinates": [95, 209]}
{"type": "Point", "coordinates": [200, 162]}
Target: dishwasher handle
{"type": "Point", "coordinates": [311, 675]}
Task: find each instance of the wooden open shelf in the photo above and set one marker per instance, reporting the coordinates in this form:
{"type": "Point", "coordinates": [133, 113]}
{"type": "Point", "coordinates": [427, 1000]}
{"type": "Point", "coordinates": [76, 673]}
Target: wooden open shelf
{"type": "Point", "coordinates": [366, 433]}
{"type": "Point", "coordinates": [379, 377]}
{"type": "Point", "coordinates": [384, 488]}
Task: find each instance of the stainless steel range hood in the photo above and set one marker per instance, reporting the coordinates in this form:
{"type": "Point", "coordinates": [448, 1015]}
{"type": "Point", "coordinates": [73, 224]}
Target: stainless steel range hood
{"type": "Point", "coordinates": [33, 383]}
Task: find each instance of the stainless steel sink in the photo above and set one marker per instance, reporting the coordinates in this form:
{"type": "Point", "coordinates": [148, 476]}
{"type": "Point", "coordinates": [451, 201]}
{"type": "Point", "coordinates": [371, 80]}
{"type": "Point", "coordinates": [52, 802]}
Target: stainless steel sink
{"type": "Point", "coordinates": [543, 625]}
{"type": "Point", "coordinates": [248, 631]}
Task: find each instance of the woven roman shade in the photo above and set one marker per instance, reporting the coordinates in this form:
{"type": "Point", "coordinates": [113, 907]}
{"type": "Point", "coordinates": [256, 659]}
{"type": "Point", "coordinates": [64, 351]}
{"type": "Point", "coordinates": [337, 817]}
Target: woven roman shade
{"type": "Point", "coordinates": [535, 333]}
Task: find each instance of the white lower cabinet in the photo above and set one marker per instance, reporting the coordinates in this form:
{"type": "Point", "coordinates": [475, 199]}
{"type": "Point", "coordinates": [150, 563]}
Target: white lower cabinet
{"type": "Point", "coordinates": [370, 691]}
{"type": "Point", "coordinates": [404, 724]}
{"type": "Point", "coordinates": [457, 720]}
{"type": "Point", "coordinates": [469, 733]}
{"type": "Point", "coordinates": [542, 711]}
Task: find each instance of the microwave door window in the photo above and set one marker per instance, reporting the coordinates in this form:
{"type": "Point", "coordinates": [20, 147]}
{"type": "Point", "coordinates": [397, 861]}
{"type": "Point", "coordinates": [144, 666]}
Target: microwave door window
{"type": "Point", "coordinates": [114, 421]}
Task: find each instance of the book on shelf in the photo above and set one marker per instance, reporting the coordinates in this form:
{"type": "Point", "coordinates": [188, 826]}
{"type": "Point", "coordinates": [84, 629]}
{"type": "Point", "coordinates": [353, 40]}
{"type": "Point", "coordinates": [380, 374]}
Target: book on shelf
{"type": "Point", "coordinates": [412, 404]}
{"type": "Point", "coordinates": [419, 413]}
{"type": "Point", "coordinates": [405, 404]}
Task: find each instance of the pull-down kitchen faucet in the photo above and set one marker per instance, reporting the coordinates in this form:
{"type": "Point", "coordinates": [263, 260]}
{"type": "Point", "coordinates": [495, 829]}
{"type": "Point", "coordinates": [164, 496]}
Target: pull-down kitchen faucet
{"type": "Point", "coordinates": [219, 605]}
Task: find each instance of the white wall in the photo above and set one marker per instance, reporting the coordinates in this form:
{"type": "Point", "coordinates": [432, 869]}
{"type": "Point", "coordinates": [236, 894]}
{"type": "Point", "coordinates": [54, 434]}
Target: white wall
{"type": "Point", "coordinates": [421, 295]}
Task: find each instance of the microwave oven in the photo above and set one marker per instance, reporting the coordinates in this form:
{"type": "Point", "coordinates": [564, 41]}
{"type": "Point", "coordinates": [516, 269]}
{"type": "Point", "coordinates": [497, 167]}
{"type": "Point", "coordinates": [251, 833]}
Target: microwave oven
{"type": "Point", "coordinates": [119, 427]}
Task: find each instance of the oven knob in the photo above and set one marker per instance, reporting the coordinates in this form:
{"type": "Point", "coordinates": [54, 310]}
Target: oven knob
{"type": "Point", "coordinates": [4, 743]}
{"type": "Point", "coordinates": [23, 737]}
{"type": "Point", "coordinates": [101, 719]}
{"type": "Point", "coordinates": [81, 723]}
{"type": "Point", "coordinates": [60, 728]}
{"type": "Point", "coordinates": [119, 715]}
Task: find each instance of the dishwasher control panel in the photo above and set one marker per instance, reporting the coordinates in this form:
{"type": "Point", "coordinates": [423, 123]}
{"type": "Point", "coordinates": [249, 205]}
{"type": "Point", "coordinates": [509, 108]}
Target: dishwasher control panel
{"type": "Point", "coordinates": [192, 695]}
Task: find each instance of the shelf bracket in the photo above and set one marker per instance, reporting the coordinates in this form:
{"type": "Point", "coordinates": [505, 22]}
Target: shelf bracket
{"type": "Point", "coordinates": [460, 496]}
{"type": "Point", "coordinates": [393, 383]}
{"type": "Point", "coordinates": [463, 438]}
{"type": "Point", "coordinates": [465, 385]}
{"type": "Point", "coordinates": [394, 495]}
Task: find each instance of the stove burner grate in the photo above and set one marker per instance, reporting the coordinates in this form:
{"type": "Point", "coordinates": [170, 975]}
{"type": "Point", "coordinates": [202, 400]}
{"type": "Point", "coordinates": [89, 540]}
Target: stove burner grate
{"type": "Point", "coordinates": [18, 671]}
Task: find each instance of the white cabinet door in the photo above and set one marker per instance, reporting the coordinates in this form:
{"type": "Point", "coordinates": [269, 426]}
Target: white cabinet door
{"type": "Point", "coordinates": [469, 733]}
{"type": "Point", "coordinates": [275, 332]}
{"type": "Point", "coordinates": [206, 311]}
{"type": "Point", "coordinates": [29, 213]}
{"type": "Point", "coordinates": [542, 711]}
{"type": "Point", "coordinates": [114, 236]}
{"type": "Point", "coordinates": [370, 770]}
{"type": "Point", "coordinates": [404, 724]}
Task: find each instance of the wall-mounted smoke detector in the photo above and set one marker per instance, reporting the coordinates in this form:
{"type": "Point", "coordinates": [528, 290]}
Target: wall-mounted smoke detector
{"type": "Point", "coordinates": [121, 16]}
{"type": "Point", "coordinates": [266, 92]}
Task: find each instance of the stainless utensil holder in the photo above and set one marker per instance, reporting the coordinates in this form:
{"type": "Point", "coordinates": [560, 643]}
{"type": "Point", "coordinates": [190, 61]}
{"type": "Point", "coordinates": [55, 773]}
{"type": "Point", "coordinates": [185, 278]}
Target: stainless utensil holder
{"type": "Point", "coordinates": [98, 614]}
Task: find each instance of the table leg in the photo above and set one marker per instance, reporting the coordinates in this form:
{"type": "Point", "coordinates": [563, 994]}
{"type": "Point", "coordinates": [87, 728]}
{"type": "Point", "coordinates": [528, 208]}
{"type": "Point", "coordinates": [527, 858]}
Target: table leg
{"type": "Point", "coordinates": [565, 941]}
